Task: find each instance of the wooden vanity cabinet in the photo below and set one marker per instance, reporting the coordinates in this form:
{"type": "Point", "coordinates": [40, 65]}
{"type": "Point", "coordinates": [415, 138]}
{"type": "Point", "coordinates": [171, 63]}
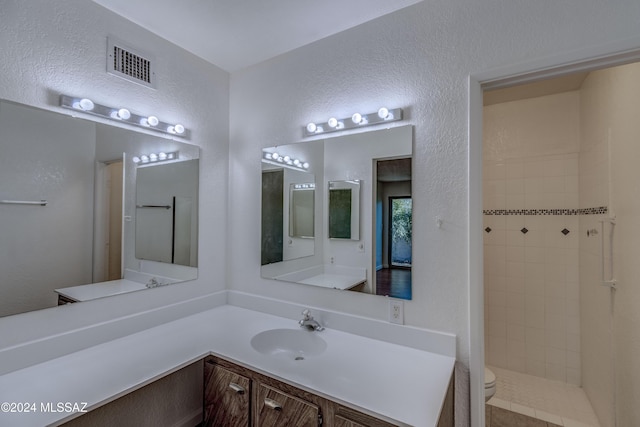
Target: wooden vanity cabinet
{"type": "Point", "coordinates": [277, 408]}
{"type": "Point", "coordinates": [237, 396]}
{"type": "Point", "coordinates": [226, 397]}
{"type": "Point", "coordinates": [347, 417]}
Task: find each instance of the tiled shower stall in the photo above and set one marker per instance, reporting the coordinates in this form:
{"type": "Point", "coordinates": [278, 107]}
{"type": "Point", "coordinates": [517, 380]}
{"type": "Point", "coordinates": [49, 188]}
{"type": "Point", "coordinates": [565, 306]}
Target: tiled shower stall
{"type": "Point", "coordinates": [548, 187]}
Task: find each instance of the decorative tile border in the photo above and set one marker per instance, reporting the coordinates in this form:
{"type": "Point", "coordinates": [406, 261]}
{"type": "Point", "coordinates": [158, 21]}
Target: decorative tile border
{"type": "Point", "coordinates": [584, 211]}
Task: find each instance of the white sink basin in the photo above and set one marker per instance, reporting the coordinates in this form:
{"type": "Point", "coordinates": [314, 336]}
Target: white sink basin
{"type": "Point", "coordinates": [289, 343]}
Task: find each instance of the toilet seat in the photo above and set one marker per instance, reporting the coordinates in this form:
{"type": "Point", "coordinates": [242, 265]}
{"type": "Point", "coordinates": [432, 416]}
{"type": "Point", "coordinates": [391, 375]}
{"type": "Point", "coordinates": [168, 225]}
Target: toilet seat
{"type": "Point", "coordinates": [489, 384]}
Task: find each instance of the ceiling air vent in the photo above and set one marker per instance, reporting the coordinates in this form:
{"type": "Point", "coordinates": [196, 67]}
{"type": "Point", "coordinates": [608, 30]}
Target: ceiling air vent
{"type": "Point", "coordinates": [130, 64]}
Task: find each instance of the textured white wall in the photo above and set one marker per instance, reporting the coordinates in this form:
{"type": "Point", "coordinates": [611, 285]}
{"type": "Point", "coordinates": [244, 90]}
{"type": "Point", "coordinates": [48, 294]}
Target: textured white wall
{"type": "Point", "coordinates": [419, 58]}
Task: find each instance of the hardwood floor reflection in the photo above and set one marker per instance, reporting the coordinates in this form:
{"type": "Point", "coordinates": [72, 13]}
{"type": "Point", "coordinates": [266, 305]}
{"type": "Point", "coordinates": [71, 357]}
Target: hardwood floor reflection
{"type": "Point", "coordinates": [394, 282]}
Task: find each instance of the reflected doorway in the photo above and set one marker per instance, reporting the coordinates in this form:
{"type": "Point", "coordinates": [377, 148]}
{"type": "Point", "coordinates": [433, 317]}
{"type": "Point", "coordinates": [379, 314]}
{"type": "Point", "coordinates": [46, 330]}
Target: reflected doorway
{"type": "Point", "coordinates": [107, 261]}
{"type": "Point", "coordinates": [393, 225]}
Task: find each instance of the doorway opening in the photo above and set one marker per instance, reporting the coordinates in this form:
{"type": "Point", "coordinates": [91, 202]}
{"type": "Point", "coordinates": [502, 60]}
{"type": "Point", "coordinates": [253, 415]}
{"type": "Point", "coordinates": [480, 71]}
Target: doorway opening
{"type": "Point", "coordinates": [557, 163]}
{"type": "Point", "coordinates": [393, 228]}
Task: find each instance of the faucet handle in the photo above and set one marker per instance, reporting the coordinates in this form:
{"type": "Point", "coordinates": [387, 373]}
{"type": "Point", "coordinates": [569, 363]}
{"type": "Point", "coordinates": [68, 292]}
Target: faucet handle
{"type": "Point", "coordinates": [307, 314]}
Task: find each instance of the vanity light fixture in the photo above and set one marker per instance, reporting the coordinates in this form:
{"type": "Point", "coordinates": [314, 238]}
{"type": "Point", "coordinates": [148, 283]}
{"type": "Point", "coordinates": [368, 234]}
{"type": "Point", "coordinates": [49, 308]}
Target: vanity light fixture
{"type": "Point", "coordinates": [122, 115]}
{"type": "Point", "coordinates": [284, 160]}
{"type": "Point", "coordinates": [357, 120]}
{"type": "Point", "coordinates": [155, 157]}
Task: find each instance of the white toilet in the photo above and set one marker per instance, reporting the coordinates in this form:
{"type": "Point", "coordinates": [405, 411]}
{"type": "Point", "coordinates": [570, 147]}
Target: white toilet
{"type": "Point", "coordinates": [489, 384]}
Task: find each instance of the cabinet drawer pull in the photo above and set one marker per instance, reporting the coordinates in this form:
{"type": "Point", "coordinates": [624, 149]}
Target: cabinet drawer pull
{"type": "Point", "coordinates": [237, 388]}
{"type": "Point", "coordinates": [270, 403]}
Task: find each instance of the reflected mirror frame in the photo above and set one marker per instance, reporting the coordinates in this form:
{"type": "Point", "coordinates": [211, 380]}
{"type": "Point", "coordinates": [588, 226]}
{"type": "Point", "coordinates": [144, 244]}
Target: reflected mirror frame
{"type": "Point", "coordinates": [299, 226]}
{"type": "Point", "coordinates": [343, 218]}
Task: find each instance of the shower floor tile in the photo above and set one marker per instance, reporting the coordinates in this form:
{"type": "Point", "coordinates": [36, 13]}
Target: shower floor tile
{"type": "Point", "coordinates": [550, 400]}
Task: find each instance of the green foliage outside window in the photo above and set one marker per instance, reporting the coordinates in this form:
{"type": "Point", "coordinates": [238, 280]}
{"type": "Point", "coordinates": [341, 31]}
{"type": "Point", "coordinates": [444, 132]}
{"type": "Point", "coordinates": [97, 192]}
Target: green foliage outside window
{"type": "Point", "coordinates": [402, 220]}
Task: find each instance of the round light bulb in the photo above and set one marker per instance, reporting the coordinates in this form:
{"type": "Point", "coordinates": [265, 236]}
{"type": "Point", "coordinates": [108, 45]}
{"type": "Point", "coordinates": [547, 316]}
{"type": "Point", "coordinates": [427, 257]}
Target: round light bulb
{"type": "Point", "coordinates": [296, 162]}
{"type": "Point", "coordinates": [86, 104]}
{"type": "Point", "coordinates": [153, 157]}
{"type": "Point", "coordinates": [383, 113]}
{"type": "Point", "coordinates": [311, 127]}
{"type": "Point", "coordinates": [287, 158]}
{"type": "Point", "coordinates": [162, 156]}
{"type": "Point", "coordinates": [136, 159]}
{"type": "Point", "coordinates": [275, 155]}
{"type": "Point", "coordinates": [153, 121]}
{"type": "Point", "coordinates": [179, 128]}
{"type": "Point", "coordinates": [356, 118]}
{"type": "Point", "coordinates": [332, 122]}
{"type": "Point", "coordinates": [305, 165]}
{"type": "Point", "coordinates": [124, 114]}
{"type": "Point", "coordinates": [171, 129]}
{"type": "Point", "coordinates": [144, 158]}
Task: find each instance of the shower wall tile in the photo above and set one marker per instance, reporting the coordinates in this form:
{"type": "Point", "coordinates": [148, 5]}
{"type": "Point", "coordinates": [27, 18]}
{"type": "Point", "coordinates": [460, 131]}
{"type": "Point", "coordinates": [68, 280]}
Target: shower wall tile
{"type": "Point", "coordinates": [531, 279]}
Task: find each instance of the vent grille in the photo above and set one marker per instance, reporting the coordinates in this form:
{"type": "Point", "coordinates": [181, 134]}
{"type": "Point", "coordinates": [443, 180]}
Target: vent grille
{"type": "Point", "coordinates": [130, 64]}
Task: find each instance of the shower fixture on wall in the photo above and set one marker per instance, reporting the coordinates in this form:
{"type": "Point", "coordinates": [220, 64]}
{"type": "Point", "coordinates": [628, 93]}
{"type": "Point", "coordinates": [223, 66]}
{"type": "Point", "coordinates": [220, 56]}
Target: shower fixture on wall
{"type": "Point", "coordinates": [357, 120]}
{"type": "Point", "coordinates": [120, 114]}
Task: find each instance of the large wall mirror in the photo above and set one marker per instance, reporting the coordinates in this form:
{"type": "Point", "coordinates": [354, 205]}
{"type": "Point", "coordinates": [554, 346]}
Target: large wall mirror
{"type": "Point", "coordinates": [70, 228]}
{"type": "Point", "coordinates": [359, 210]}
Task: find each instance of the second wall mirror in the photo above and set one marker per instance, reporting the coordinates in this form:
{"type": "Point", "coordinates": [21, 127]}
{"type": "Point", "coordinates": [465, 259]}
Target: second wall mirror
{"type": "Point", "coordinates": [356, 221]}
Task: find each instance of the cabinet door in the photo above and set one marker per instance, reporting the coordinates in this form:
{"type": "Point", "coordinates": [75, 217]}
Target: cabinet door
{"type": "Point", "coordinates": [346, 417]}
{"type": "Point", "coordinates": [339, 421]}
{"type": "Point", "coordinates": [226, 397]}
{"type": "Point", "coordinates": [275, 408]}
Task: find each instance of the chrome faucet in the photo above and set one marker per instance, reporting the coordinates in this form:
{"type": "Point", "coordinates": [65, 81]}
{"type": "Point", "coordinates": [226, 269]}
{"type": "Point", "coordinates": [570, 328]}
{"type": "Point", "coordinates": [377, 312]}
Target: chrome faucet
{"type": "Point", "coordinates": [309, 322]}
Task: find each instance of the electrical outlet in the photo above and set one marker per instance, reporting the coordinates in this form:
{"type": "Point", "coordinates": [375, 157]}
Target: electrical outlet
{"type": "Point", "coordinates": [396, 312]}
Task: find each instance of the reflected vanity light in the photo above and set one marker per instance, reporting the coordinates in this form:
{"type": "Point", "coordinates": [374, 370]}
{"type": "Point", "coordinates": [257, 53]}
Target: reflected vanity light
{"type": "Point", "coordinates": [284, 160]}
{"type": "Point", "coordinates": [309, 186]}
{"type": "Point", "coordinates": [122, 115]}
{"type": "Point", "coordinates": [154, 157]}
{"type": "Point", "coordinates": [357, 120]}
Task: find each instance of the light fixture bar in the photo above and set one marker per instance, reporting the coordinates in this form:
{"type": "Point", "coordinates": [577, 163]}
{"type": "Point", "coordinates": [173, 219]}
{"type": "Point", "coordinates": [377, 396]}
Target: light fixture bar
{"type": "Point", "coordinates": [357, 120]}
{"type": "Point", "coordinates": [280, 159]}
{"type": "Point", "coordinates": [144, 159]}
{"type": "Point", "coordinates": [123, 115]}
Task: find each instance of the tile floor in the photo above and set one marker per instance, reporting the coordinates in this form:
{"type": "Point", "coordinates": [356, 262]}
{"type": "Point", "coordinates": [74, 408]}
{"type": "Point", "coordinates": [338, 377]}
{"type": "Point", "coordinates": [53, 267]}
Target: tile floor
{"type": "Point", "coordinates": [552, 401]}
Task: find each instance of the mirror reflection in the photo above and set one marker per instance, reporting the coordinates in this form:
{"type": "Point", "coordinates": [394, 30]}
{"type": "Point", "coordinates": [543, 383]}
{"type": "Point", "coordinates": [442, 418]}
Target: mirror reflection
{"type": "Point", "coordinates": [344, 210]}
{"type": "Point", "coordinates": [166, 212]}
{"type": "Point", "coordinates": [301, 215]}
{"type": "Point", "coordinates": [356, 177]}
{"type": "Point", "coordinates": [85, 233]}
{"type": "Point", "coordinates": [288, 225]}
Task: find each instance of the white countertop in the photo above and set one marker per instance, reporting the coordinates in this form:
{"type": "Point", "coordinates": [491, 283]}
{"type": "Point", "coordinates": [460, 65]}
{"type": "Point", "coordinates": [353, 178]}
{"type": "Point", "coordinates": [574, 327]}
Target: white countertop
{"type": "Point", "coordinates": [386, 380]}
{"type": "Point", "coordinates": [99, 290]}
{"type": "Point", "coordinates": [335, 281]}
